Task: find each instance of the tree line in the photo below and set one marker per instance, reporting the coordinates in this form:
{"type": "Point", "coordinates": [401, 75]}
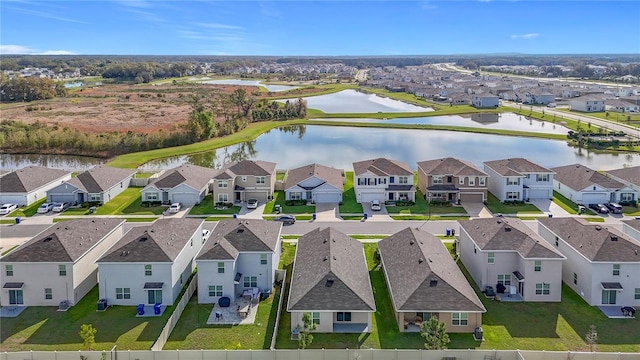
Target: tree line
{"type": "Point", "coordinates": [31, 88]}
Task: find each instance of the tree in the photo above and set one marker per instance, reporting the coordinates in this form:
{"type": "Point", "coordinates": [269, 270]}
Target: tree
{"type": "Point", "coordinates": [434, 334]}
{"type": "Point", "coordinates": [88, 335]}
{"type": "Point", "coordinates": [305, 338]}
{"type": "Point", "coordinates": [591, 337]}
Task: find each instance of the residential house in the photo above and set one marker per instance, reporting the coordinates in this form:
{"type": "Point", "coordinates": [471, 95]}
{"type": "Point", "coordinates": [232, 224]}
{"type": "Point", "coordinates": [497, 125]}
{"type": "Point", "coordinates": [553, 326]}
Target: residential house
{"type": "Point", "coordinates": [100, 184]}
{"type": "Point", "coordinates": [485, 101]}
{"type": "Point", "coordinates": [383, 179]}
{"type": "Point", "coordinates": [330, 281]}
{"type": "Point", "coordinates": [30, 184]}
{"type": "Point", "coordinates": [621, 106]}
{"type": "Point", "coordinates": [583, 185]}
{"type": "Point", "coordinates": [424, 281]}
{"type": "Point", "coordinates": [243, 180]}
{"type": "Point", "coordinates": [508, 252]}
{"type": "Point", "coordinates": [187, 183]}
{"type": "Point", "coordinates": [602, 262]}
{"type": "Point", "coordinates": [58, 264]}
{"type": "Point", "coordinates": [450, 179]}
{"type": "Point", "coordinates": [630, 178]}
{"type": "Point", "coordinates": [519, 179]}
{"type": "Point", "coordinates": [314, 183]}
{"type": "Point", "coordinates": [631, 228]}
{"type": "Point", "coordinates": [239, 255]}
{"type": "Point", "coordinates": [150, 264]}
{"type": "Point", "coordinates": [587, 104]}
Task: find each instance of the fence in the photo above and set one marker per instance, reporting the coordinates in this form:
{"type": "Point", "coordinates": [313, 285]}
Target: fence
{"type": "Point", "coordinates": [281, 276]}
{"type": "Point", "coordinates": [145, 181]}
{"type": "Point", "coordinates": [173, 319]}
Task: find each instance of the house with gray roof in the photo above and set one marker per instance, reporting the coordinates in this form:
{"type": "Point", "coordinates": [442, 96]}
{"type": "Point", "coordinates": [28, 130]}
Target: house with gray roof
{"type": "Point", "coordinates": [630, 177]}
{"type": "Point", "coordinates": [187, 183]}
{"type": "Point", "coordinates": [99, 184]}
{"type": "Point", "coordinates": [507, 252]}
{"type": "Point", "coordinates": [240, 255]}
{"type": "Point", "coordinates": [518, 179]}
{"type": "Point", "coordinates": [30, 184]}
{"type": "Point", "coordinates": [330, 281]}
{"type": "Point", "coordinates": [150, 264]}
{"type": "Point", "coordinates": [584, 185]}
{"type": "Point", "coordinates": [383, 180]}
{"type": "Point", "coordinates": [314, 183]}
{"type": "Point", "coordinates": [240, 181]}
{"type": "Point", "coordinates": [451, 179]}
{"type": "Point", "coordinates": [424, 281]}
{"type": "Point", "coordinates": [602, 264]}
{"type": "Point", "coordinates": [58, 264]}
{"type": "Point", "coordinates": [588, 103]}
{"type": "Point", "coordinates": [632, 228]}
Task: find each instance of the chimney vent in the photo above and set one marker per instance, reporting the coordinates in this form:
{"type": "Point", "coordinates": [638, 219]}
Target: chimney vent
{"type": "Point", "coordinates": [507, 228]}
{"type": "Point", "coordinates": [614, 238]}
{"type": "Point", "coordinates": [329, 283]}
{"type": "Point", "coordinates": [420, 261]}
{"type": "Point", "coordinates": [598, 227]}
{"type": "Point", "coordinates": [433, 283]}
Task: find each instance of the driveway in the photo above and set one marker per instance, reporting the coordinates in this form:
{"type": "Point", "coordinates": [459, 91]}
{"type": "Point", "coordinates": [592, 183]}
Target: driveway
{"type": "Point", "coordinates": [476, 210]}
{"type": "Point", "coordinates": [549, 207]}
{"type": "Point", "coordinates": [251, 213]}
{"type": "Point", "coordinates": [381, 215]}
{"type": "Point", "coordinates": [327, 212]}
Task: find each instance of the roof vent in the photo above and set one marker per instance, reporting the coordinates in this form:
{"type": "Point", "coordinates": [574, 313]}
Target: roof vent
{"type": "Point", "coordinates": [334, 258]}
{"type": "Point", "coordinates": [499, 221]}
{"type": "Point", "coordinates": [598, 227]}
{"type": "Point", "coordinates": [433, 283]}
{"type": "Point", "coordinates": [507, 228]}
{"type": "Point", "coordinates": [411, 242]}
{"type": "Point", "coordinates": [47, 239]}
{"type": "Point", "coordinates": [240, 231]}
{"type": "Point", "coordinates": [420, 261]}
{"type": "Point", "coordinates": [329, 283]}
{"type": "Point", "coordinates": [93, 220]}
{"type": "Point", "coordinates": [614, 238]}
{"type": "Point", "coordinates": [143, 239]}
{"type": "Point", "coordinates": [636, 250]}
{"type": "Point", "coordinates": [326, 258]}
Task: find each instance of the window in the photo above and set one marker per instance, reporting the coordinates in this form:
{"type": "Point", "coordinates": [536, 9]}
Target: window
{"type": "Point", "coordinates": [62, 270]}
{"type": "Point", "coordinates": [403, 179]}
{"type": "Point", "coordinates": [260, 179]}
{"type": "Point", "coordinates": [482, 181]}
{"type": "Point", "coordinates": [491, 258]}
{"type": "Point", "coordinates": [220, 267]}
{"type": "Point", "coordinates": [152, 196]}
{"type": "Point", "coordinates": [244, 179]}
{"type": "Point", "coordinates": [449, 179]}
{"type": "Point", "coordinates": [215, 290]}
{"type": "Point", "coordinates": [472, 181]}
{"type": "Point", "coordinates": [436, 179]}
{"type": "Point", "coordinates": [557, 241]}
{"type": "Point", "coordinates": [8, 270]}
{"type": "Point", "coordinates": [459, 319]}
{"type": "Point", "coordinates": [513, 181]}
{"type": "Point", "coordinates": [147, 270]}
{"type": "Point", "coordinates": [48, 294]}
{"type": "Point", "coordinates": [250, 281]}
{"type": "Point", "coordinates": [542, 289]}
{"type": "Point", "coordinates": [575, 279]}
{"type": "Point", "coordinates": [123, 293]}
{"type": "Point", "coordinates": [616, 269]}
{"type": "Point", "coordinates": [263, 259]}
{"type": "Point", "coordinates": [504, 279]}
{"type": "Point", "coordinates": [636, 295]}
{"type": "Point", "coordinates": [542, 177]}
{"type": "Point", "coordinates": [461, 180]}
{"type": "Point", "coordinates": [295, 196]}
{"type": "Point", "coordinates": [537, 265]}
{"type": "Point", "coordinates": [223, 184]}
{"type": "Point", "coordinates": [343, 316]}
{"type": "Point", "coordinates": [223, 198]}
{"type": "Point", "coordinates": [513, 195]}
{"type": "Point", "coordinates": [315, 318]}
{"type": "Point", "coordinates": [626, 197]}
{"type": "Point", "coordinates": [95, 197]}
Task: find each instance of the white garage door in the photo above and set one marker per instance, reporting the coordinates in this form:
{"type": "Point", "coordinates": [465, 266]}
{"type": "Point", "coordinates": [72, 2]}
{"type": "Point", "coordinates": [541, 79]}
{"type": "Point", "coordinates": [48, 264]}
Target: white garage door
{"type": "Point", "coordinates": [327, 198]}
{"type": "Point", "coordinates": [13, 199]}
{"type": "Point", "coordinates": [538, 194]}
{"type": "Point", "coordinates": [595, 198]}
{"type": "Point", "coordinates": [186, 198]}
{"type": "Point", "coordinates": [369, 197]}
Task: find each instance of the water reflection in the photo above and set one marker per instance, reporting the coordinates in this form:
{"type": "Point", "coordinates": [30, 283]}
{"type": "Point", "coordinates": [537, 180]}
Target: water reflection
{"type": "Point", "coordinates": [65, 162]}
{"type": "Point", "coordinates": [352, 101]}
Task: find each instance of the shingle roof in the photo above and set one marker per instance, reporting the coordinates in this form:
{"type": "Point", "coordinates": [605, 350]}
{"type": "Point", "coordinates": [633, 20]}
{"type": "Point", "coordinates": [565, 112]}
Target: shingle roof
{"type": "Point", "coordinates": [230, 237]}
{"type": "Point", "coordinates": [330, 273]}
{"type": "Point", "coordinates": [331, 176]}
{"type": "Point", "coordinates": [630, 174]}
{"type": "Point", "coordinates": [509, 234]}
{"type": "Point", "coordinates": [516, 167]}
{"type": "Point", "coordinates": [64, 241]}
{"type": "Point", "coordinates": [422, 275]}
{"type": "Point", "coordinates": [29, 178]}
{"type": "Point", "coordinates": [100, 178]}
{"type": "Point", "coordinates": [594, 241]}
{"type": "Point", "coordinates": [251, 167]}
{"type": "Point", "coordinates": [633, 223]}
{"type": "Point", "coordinates": [382, 167]}
{"type": "Point", "coordinates": [161, 241]}
{"type": "Point", "coordinates": [579, 177]}
{"type": "Point", "coordinates": [450, 166]}
{"type": "Point", "coordinates": [195, 176]}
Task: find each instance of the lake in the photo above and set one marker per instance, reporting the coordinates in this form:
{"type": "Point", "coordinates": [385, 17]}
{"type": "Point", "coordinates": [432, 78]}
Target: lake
{"type": "Point", "coordinates": [272, 88]}
{"type": "Point", "coordinates": [352, 101]}
{"type": "Point", "coordinates": [65, 162]}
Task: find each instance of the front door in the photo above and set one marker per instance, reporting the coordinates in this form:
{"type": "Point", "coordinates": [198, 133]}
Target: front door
{"type": "Point", "coordinates": [391, 196]}
{"type": "Point", "coordinates": [521, 288]}
{"type": "Point", "coordinates": [155, 296]}
{"type": "Point", "coordinates": [15, 297]}
{"type": "Point", "coordinates": [452, 196]}
{"type": "Point", "coordinates": [238, 198]}
{"type": "Point", "coordinates": [309, 195]}
{"type": "Point", "coordinates": [608, 297]}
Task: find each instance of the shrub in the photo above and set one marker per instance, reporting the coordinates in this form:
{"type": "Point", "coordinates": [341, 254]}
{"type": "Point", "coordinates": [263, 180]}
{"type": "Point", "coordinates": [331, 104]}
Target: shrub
{"type": "Point", "coordinates": [295, 202]}
{"type": "Point", "coordinates": [629, 203]}
{"type": "Point", "coordinates": [88, 204]}
{"type": "Point", "coordinates": [405, 203]}
{"type": "Point", "coordinates": [224, 204]}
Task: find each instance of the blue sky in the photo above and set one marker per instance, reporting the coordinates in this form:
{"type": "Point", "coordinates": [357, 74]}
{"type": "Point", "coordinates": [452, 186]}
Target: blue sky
{"type": "Point", "coordinates": [154, 27]}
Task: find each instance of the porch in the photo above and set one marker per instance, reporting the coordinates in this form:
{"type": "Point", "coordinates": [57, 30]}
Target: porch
{"type": "Point", "coordinates": [616, 312]}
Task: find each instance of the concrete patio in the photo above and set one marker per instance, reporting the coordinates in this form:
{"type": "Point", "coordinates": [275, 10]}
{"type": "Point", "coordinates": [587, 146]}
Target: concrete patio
{"type": "Point", "coordinates": [231, 316]}
{"type": "Point", "coordinates": [11, 311]}
{"type": "Point", "coordinates": [614, 312]}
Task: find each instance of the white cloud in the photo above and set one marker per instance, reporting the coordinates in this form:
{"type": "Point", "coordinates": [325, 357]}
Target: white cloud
{"type": "Point", "coordinates": [525, 36]}
{"type": "Point", "coordinates": [134, 3]}
{"type": "Point", "coordinates": [219, 26]}
{"type": "Point", "coordinates": [46, 15]}
{"type": "Point", "coordinates": [25, 50]}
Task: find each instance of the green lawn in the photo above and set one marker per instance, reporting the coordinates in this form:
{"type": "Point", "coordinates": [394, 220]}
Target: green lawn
{"type": "Point", "coordinates": [631, 210]}
{"type": "Point", "coordinates": [127, 202]}
{"type": "Point", "coordinates": [421, 207]}
{"type": "Point", "coordinates": [207, 207]}
{"type": "Point", "coordinates": [427, 217]}
{"type": "Point", "coordinates": [568, 205]}
{"type": "Point", "coordinates": [349, 204]}
{"type": "Point", "coordinates": [279, 198]}
{"type": "Point", "coordinates": [495, 206]}
{"type": "Point", "coordinates": [28, 210]}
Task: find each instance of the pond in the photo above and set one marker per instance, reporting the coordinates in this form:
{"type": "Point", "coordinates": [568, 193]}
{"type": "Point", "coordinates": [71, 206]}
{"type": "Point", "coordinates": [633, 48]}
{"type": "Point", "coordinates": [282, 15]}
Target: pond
{"type": "Point", "coordinates": [352, 101]}
{"type": "Point", "coordinates": [269, 87]}
{"type": "Point", "coordinates": [505, 121]}
{"type": "Point", "coordinates": [65, 162]}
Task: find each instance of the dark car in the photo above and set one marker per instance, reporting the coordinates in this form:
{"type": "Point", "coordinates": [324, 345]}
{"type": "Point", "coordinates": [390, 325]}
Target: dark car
{"type": "Point", "coordinates": [488, 291]}
{"type": "Point", "coordinates": [599, 208]}
{"type": "Point", "coordinates": [614, 208]}
{"type": "Point", "coordinates": [286, 219]}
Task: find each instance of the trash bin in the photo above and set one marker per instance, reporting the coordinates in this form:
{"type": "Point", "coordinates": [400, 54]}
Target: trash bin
{"type": "Point", "coordinates": [550, 215]}
{"type": "Point", "coordinates": [18, 220]}
{"type": "Point", "coordinates": [366, 216]}
{"type": "Point", "coordinates": [448, 232]}
{"type": "Point", "coordinates": [156, 309]}
{"type": "Point", "coordinates": [313, 216]}
{"type": "Point", "coordinates": [102, 304]}
{"type": "Point", "coordinates": [140, 309]}
{"type": "Point", "coordinates": [235, 216]}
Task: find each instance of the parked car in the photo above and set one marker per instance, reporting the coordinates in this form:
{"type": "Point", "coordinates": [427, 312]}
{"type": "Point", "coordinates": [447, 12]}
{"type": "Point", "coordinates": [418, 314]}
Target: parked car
{"type": "Point", "coordinates": [7, 208]}
{"type": "Point", "coordinates": [60, 207]}
{"type": "Point", "coordinates": [551, 105]}
{"type": "Point", "coordinates": [175, 208]}
{"type": "Point", "coordinates": [45, 208]}
{"type": "Point", "coordinates": [614, 208]}
{"type": "Point", "coordinates": [205, 234]}
{"type": "Point", "coordinates": [286, 219]}
{"type": "Point", "coordinates": [375, 205]}
{"type": "Point", "coordinates": [599, 208]}
{"type": "Point", "coordinates": [252, 204]}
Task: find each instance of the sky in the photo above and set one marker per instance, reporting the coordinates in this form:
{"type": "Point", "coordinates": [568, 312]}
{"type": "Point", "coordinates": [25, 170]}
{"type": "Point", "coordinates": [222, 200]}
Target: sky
{"type": "Point", "coordinates": [319, 28]}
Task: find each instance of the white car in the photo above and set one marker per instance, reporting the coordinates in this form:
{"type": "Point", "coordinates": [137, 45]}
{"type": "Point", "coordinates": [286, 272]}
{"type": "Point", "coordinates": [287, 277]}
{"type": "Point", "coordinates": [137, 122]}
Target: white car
{"type": "Point", "coordinates": [60, 207]}
{"type": "Point", "coordinates": [252, 204]}
{"type": "Point", "coordinates": [7, 208]}
{"type": "Point", "coordinates": [45, 208]}
{"type": "Point", "coordinates": [205, 234]}
{"type": "Point", "coordinates": [175, 208]}
{"type": "Point", "coordinates": [375, 205]}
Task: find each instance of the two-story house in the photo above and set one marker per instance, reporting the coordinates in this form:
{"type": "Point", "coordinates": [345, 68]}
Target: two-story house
{"type": "Point", "coordinates": [519, 179]}
{"type": "Point", "coordinates": [243, 180]}
{"type": "Point", "coordinates": [485, 101]}
{"type": "Point", "coordinates": [314, 183]}
{"type": "Point", "coordinates": [508, 252]}
{"type": "Point", "coordinates": [383, 180]}
{"type": "Point", "coordinates": [583, 185]}
{"type": "Point", "coordinates": [588, 104]}
{"type": "Point", "coordinates": [187, 183]}
{"type": "Point", "coordinates": [239, 255]}
{"type": "Point", "coordinates": [450, 179]}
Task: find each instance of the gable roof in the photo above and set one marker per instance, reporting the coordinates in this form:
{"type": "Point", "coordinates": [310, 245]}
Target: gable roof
{"type": "Point", "coordinates": [382, 167]}
{"type": "Point", "coordinates": [195, 176]}
{"type": "Point", "coordinates": [502, 234]}
{"type": "Point", "coordinates": [162, 241]}
{"type": "Point", "coordinates": [422, 275]}
{"type": "Point", "coordinates": [450, 166]}
{"type": "Point", "coordinates": [29, 178]}
{"type": "Point", "coordinates": [249, 167]}
{"type": "Point", "coordinates": [633, 223]}
{"type": "Point", "coordinates": [630, 174]}
{"type": "Point", "coordinates": [329, 175]}
{"type": "Point", "coordinates": [100, 178]}
{"type": "Point", "coordinates": [579, 177]}
{"type": "Point", "coordinates": [231, 237]}
{"type": "Point", "coordinates": [330, 273]}
{"type": "Point", "coordinates": [64, 241]}
{"type": "Point", "coordinates": [516, 167]}
{"type": "Point", "coordinates": [593, 241]}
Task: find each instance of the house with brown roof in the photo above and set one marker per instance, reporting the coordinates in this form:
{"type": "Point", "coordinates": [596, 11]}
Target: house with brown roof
{"type": "Point", "coordinates": [424, 281]}
{"type": "Point", "coordinates": [58, 264]}
{"type": "Point", "coordinates": [383, 180]}
{"type": "Point", "coordinates": [602, 264]}
{"type": "Point", "coordinates": [330, 281]}
{"type": "Point", "coordinates": [583, 185]}
{"type": "Point", "coordinates": [150, 264]}
{"type": "Point", "coordinates": [450, 179]}
{"type": "Point", "coordinates": [314, 183]}
{"type": "Point", "coordinates": [187, 183]}
{"type": "Point", "coordinates": [99, 184]}
{"type": "Point", "coordinates": [30, 184]}
{"type": "Point", "coordinates": [240, 181]}
{"type": "Point", "coordinates": [240, 255]}
{"type": "Point", "coordinates": [630, 177]}
{"type": "Point", "coordinates": [507, 253]}
{"type": "Point", "coordinates": [519, 179]}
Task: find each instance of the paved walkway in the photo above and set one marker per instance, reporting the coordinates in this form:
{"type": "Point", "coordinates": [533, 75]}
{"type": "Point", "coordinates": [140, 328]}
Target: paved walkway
{"type": "Point", "coordinates": [328, 212]}
{"type": "Point", "coordinates": [476, 210]}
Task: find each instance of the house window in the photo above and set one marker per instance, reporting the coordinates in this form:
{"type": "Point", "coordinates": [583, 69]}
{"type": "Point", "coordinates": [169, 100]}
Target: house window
{"type": "Point", "coordinates": [626, 197]}
{"type": "Point", "coordinates": [250, 281]}
{"type": "Point", "coordinates": [636, 294]}
{"type": "Point", "coordinates": [537, 265]}
{"type": "Point", "coordinates": [315, 318]}
{"type": "Point", "coordinates": [263, 259]}
{"type": "Point", "coordinates": [244, 179]}
{"type": "Point", "coordinates": [62, 270]}
{"type": "Point", "coordinates": [459, 319]}
{"type": "Point", "coordinates": [48, 294]}
{"type": "Point", "coordinates": [575, 279]}
{"type": "Point", "coordinates": [449, 179]}
{"type": "Point", "coordinates": [511, 195]}
{"type": "Point", "coordinates": [295, 196]}
{"type": "Point", "coordinates": [8, 270]}
{"type": "Point", "coordinates": [223, 198]}
{"type": "Point", "coordinates": [504, 279]}
{"type": "Point", "coordinates": [260, 179]}
{"type": "Point", "coordinates": [215, 290]}
{"type": "Point", "coordinates": [513, 181]}
{"type": "Point", "coordinates": [436, 179]}
{"type": "Point", "coordinates": [482, 181]}
{"type": "Point", "coordinates": [542, 289]}
{"type": "Point", "coordinates": [616, 269]}
{"type": "Point", "coordinates": [472, 181]}
{"type": "Point", "coordinates": [403, 196]}
{"type": "Point", "coordinates": [95, 197]}
{"type": "Point", "coordinates": [152, 196]}
{"type": "Point", "coordinates": [220, 267]}
{"type": "Point", "coordinates": [147, 270]}
{"type": "Point", "coordinates": [491, 258]}
{"type": "Point", "coordinates": [343, 316]}
{"type": "Point", "coordinates": [223, 184]}
{"type": "Point", "coordinates": [542, 177]}
{"type": "Point", "coordinates": [461, 180]}
{"type": "Point", "coordinates": [403, 179]}
{"type": "Point", "coordinates": [123, 293]}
